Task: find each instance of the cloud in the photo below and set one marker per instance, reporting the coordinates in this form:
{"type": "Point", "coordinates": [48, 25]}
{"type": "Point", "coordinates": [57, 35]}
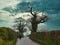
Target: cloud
{"type": "Point", "coordinates": [4, 3]}
{"type": "Point", "coordinates": [5, 15]}
{"type": "Point", "coordinates": [8, 21]}
{"type": "Point", "coordinates": [49, 6]}
{"type": "Point", "coordinates": [42, 26]}
{"type": "Point", "coordinates": [24, 15]}
{"type": "Point", "coordinates": [5, 19]}
{"type": "Point", "coordinates": [28, 0]}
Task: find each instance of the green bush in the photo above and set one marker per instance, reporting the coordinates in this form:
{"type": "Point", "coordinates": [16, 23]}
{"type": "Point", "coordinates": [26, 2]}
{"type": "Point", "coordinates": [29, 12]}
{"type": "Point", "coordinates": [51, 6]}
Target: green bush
{"type": "Point", "coordinates": [7, 36]}
{"type": "Point", "coordinates": [1, 41]}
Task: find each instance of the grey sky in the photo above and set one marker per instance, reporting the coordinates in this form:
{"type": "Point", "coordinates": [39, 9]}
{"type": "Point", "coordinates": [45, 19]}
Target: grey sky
{"type": "Point", "coordinates": [4, 3]}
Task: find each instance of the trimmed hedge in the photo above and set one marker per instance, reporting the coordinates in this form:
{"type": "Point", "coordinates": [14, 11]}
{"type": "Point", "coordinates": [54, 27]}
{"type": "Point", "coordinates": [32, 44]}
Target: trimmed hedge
{"type": "Point", "coordinates": [47, 38]}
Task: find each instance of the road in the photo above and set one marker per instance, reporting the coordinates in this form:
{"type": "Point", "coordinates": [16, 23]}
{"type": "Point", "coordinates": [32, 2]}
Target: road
{"type": "Point", "coordinates": [26, 41]}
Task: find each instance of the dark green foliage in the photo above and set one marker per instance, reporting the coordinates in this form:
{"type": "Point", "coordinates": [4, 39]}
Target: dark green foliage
{"type": "Point", "coordinates": [7, 36]}
{"type": "Point", "coordinates": [7, 33]}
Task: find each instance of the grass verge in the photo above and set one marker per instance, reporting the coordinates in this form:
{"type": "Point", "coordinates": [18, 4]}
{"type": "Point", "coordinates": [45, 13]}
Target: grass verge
{"type": "Point", "coordinates": [7, 42]}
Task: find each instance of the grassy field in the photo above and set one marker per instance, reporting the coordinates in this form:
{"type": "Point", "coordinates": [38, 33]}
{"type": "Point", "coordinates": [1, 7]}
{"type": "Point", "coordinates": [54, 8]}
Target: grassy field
{"type": "Point", "coordinates": [47, 38]}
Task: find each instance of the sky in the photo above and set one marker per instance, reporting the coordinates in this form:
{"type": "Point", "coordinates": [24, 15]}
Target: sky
{"type": "Point", "coordinates": [11, 9]}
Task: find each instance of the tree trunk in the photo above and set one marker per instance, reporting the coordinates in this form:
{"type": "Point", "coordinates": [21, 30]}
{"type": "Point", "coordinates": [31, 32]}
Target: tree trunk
{"type": "Point", "coordinates": [34, 27]}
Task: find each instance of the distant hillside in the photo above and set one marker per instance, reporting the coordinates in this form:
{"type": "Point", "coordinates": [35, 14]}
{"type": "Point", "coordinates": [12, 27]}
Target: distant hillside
{"type": "Point", "coordinates": [47, 38]}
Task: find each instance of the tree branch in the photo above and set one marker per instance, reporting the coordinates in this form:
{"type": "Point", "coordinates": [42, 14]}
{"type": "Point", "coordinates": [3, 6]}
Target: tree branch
{"type": "Point", "coordinates": [42, 20]}
{"type": "Point", "coordinates": [31, 11]}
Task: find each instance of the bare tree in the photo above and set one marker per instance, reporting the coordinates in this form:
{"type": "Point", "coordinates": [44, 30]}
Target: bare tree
{"type": "Point", "coordinates": [34, 21]}
{"type": "Point", "coordinates": [19, 24]}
